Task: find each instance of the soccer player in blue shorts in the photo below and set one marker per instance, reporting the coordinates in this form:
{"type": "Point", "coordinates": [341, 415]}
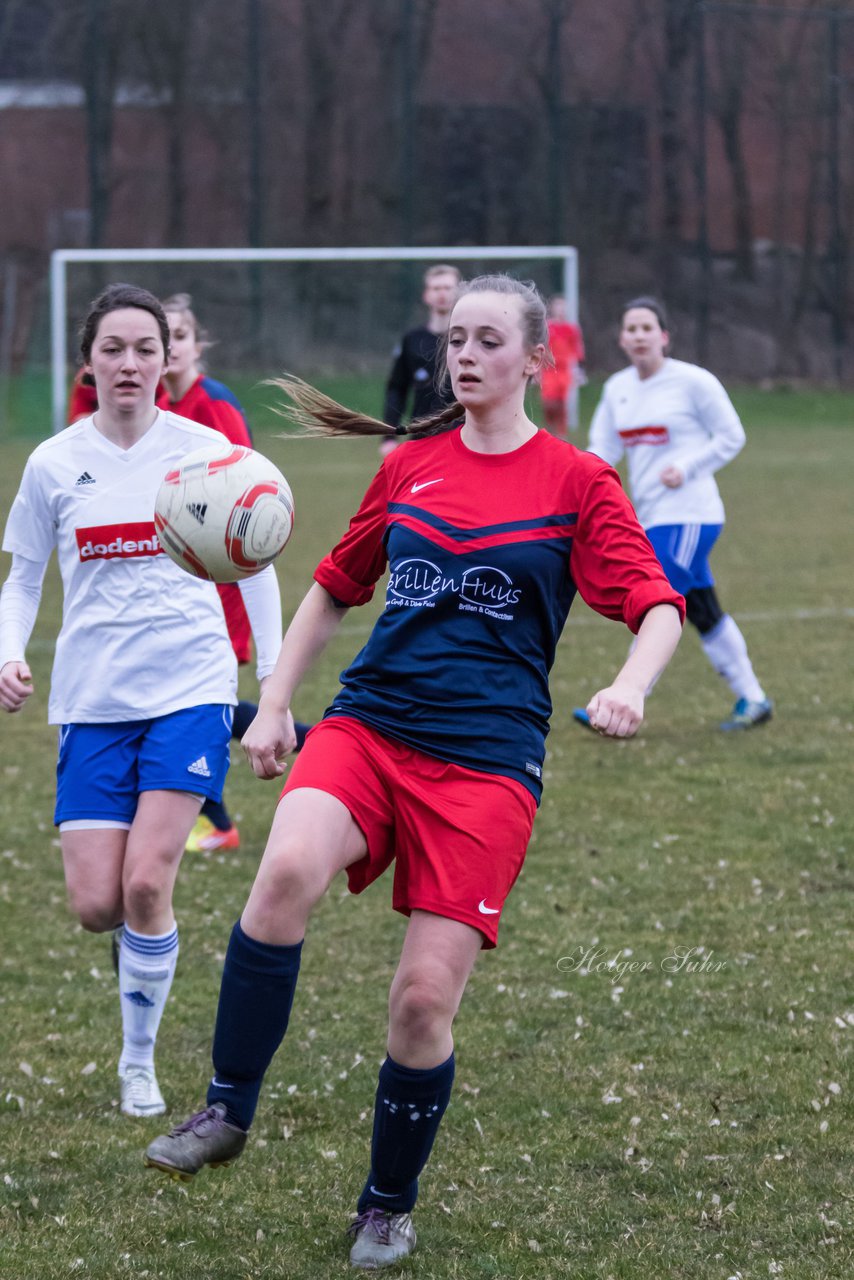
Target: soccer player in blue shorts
{"type": "Point", "coordinates": [144, 677]}
{"type": "Point", "coordinates": [431, 755]}
{"type": "Point", "coordinates": [677, 426]}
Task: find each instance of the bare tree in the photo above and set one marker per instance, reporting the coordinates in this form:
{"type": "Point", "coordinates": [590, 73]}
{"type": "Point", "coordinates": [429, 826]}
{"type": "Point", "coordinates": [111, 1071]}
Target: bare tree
{"type": "Point", "coordinates": [550, 75]}
{"type": "Point", "coordinates": [736, 49]}
{"type": "Point", "coordinates": [99, 75]}
{"type": "Point", "coordinates": [324, 29]}
{"type": "Point", "coordinates": [401, 34]}
{"type": "Point", "coordinates": [668, 26]}
{"type": "Point", "coordinates": [791, 102]}
{"type": "Point", "coordinates": [163, 32]}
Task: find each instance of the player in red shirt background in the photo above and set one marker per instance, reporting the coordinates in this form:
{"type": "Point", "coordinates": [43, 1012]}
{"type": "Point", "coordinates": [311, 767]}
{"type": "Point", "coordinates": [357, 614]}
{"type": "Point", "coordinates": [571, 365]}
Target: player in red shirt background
{"type": "Point", "coordinates": [190, 392]}
{"type": "Point", "coordinates": [567, 348]}
{"type": "Point", "coordinates": [83, 399]}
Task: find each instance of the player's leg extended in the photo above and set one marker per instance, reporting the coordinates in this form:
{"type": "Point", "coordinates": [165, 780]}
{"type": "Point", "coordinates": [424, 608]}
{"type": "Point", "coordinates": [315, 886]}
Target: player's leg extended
{"type": "Point", "coordinates": [726, 648]}
{"type": "Point", "coordinates": [682, 551]}
{"type": "Point", "coordinates": [313, 837]}
{"type": "Point", "coordinates": [148, 950]}
{"type": "Point", "coordinates": [415, 1080]}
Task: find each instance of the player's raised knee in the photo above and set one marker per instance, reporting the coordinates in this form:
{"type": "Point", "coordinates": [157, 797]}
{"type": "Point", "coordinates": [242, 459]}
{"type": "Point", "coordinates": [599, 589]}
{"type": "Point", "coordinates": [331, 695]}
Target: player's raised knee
{"type": "Point", "coordinates": [94, 916]}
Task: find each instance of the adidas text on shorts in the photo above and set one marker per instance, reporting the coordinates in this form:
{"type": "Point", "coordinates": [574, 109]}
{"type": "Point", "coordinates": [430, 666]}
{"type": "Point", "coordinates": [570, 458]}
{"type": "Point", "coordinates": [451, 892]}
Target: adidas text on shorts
{"type": "Point", "coordinates": [103, 768]}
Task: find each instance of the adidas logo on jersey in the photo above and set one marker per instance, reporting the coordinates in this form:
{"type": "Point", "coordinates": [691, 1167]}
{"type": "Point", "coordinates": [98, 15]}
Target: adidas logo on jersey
{"type": "Point", "coordinates": [198, 510]}
{"type": "Point", "coordinates": [199, 768]}
{"type": "Point", "coordinates": [85, 479]}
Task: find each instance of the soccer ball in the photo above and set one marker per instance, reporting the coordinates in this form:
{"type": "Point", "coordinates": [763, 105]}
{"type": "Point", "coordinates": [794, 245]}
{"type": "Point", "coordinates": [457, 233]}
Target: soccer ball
{"type": "Point", "coordinates": [224, 513]}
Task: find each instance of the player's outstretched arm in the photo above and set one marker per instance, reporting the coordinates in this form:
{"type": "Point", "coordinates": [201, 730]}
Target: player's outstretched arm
{"type": "Point", "coordinates": [271, 737]}
{"type": "Point", "coordinates": [617, 711]}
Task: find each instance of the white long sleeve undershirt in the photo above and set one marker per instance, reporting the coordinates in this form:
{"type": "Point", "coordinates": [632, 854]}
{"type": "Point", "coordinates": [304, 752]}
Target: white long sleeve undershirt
{"type": "Point", "coordinates": [19, 606]}
{"type": "Point", "coordinates": [21, 596]}
{"type": "Point", "coordinates": [263, 602]}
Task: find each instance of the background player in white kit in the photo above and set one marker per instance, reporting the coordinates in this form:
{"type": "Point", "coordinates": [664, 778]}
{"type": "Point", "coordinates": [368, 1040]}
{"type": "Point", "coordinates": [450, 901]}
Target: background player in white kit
{"type": "Point", "coordinates": [144, 676]}
{"type": "Point", "coordinates": [677, 426]}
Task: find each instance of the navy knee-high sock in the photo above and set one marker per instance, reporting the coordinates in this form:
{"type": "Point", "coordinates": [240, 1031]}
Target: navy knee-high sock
{"type": "Point", "coordinates": [244, 714]}
{"type": "Point", "coordinates": [255, 998]}
{"type": "Point", "coordinates": [218, 814]}
{"type": "Point", "coordinates": [409, 1107]}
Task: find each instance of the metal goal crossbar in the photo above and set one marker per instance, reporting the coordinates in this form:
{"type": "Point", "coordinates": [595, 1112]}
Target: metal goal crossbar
{"type": "Point", "coordinates": [61, 258]}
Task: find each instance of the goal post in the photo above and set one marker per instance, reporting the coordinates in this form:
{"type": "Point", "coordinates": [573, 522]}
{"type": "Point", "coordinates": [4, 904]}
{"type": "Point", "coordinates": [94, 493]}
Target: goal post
{"type": "Point", "coordinates": [564, 256]}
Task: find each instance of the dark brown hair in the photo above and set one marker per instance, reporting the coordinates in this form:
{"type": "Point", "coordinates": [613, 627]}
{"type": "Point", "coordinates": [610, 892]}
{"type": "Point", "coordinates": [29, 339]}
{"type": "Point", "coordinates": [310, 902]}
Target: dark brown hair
{"type": "Point", "coordinates": [649, 303]}
{"type": "Point", "coordinates": [116, 297]}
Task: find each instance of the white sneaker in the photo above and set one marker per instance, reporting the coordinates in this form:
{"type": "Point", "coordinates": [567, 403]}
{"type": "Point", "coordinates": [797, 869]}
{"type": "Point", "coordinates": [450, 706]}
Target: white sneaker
{"type": "Point", "coordinates": [381, 1239]}
{"type": "Point", "coordinates": [141, 1094]}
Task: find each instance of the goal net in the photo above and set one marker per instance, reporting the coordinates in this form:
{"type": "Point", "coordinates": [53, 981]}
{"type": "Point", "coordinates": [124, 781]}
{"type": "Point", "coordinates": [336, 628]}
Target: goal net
{"type": "Point", "coordinates": [330, 315]}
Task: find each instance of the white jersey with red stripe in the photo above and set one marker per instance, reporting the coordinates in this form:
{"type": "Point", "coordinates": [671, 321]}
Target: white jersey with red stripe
{"type": "Point", "coordinates": [140, 637]}
{"type": "Point", "coordinates": [681, 417]}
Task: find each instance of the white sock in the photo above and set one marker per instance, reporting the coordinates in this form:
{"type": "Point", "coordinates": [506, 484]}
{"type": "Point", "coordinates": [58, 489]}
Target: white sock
{"type": "Point", "coordinates": [146, 969]}
{"type": "Point", "coordinates": [726, 649]}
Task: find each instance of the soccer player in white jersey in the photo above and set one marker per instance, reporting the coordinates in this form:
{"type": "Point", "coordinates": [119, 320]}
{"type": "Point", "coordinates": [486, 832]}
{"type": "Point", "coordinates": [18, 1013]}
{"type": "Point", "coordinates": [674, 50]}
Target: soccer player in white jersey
{"type": "Point", "coordinates": [677, 426]}
{"type": "Point", "coordinates": [144, 676]}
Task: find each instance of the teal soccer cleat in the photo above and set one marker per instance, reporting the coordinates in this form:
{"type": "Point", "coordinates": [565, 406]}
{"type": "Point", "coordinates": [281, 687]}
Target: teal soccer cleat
{"type": "Point", "coordinates": [746, 714]}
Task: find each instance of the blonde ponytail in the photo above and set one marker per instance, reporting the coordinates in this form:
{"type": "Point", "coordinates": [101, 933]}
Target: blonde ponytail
{"type": "Point", "coordinates": [317, 414]}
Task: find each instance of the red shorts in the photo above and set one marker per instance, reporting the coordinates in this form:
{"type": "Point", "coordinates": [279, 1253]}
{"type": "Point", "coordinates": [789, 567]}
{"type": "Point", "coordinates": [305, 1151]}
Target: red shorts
{"type": "Point", "coordinates": [457, 837]}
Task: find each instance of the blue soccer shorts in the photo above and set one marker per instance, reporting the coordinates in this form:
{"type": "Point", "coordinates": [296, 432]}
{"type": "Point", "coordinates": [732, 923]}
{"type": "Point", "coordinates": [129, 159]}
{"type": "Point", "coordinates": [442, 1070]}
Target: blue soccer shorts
{"type": "Point", "coordinates": [683, 552]}
{"type": "Point", "coordinates": [103, 768]}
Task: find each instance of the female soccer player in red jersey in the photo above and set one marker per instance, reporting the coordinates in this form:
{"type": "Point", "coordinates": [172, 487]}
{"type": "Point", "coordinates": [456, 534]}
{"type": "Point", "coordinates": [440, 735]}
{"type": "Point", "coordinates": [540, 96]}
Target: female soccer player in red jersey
{"type": "Point", "coordinates": [567, 349]}
{"type": "Point", "coordinates": [190, 392]}
{"type": "Point", "coordinates": [83, 399]}
{"type": "Point", "coordinates": [431, 755]}
{"type": "Point", "coordinates": [144, 678]}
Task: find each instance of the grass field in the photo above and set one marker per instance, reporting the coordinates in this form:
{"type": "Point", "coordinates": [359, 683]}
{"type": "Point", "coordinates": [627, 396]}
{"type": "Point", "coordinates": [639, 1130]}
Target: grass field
{"type": "Point", "coordinates": [686, 1112]}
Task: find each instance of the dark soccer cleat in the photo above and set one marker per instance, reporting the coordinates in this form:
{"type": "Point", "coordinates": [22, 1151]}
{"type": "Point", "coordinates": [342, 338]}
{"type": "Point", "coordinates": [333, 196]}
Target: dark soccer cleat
{"type": "Point", "coordinates": [206, 1138]}
{"type": "Point", "coordinates": [747, 714]}
{"type": "Point", "coordinates": [382, 1239]}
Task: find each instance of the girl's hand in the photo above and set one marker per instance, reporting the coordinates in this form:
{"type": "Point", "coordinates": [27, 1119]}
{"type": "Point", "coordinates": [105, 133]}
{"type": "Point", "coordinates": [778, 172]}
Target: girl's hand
{"type": "Point", "coordinates": [616, 712]}
{"type": "Point", "coordinates": [269, 738]}
{"type": "Point", "coordinates": [672, 477]}
{"type": "Point", "coordinates": [16, 685]}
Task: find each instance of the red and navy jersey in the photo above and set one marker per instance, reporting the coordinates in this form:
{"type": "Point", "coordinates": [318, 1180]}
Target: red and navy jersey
{"type": "Point", "coordinates": [213, 405]}
{"type": "Point", "coordinates": [485, 553]}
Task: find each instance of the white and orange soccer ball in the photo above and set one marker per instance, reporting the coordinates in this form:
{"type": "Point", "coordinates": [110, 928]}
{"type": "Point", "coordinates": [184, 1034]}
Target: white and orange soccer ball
{"type": "Point", "coordinates": [224, 513]}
